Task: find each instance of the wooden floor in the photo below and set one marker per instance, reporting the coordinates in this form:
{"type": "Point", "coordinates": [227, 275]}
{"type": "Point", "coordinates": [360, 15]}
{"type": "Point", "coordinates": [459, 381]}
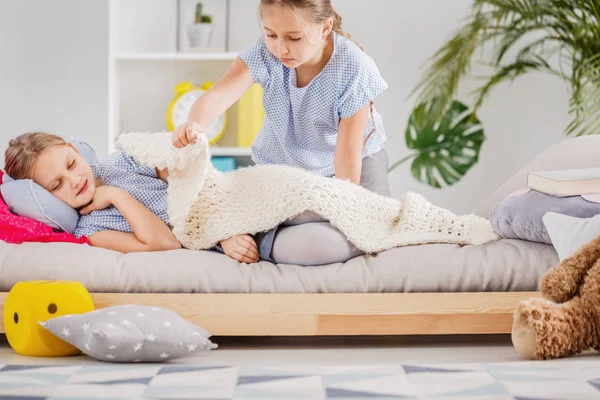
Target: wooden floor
{"type": "Point", "coordinates": [334, 314]}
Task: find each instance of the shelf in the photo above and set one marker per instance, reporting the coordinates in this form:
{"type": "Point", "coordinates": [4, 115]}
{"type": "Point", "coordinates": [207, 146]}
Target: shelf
{"type": "Point", "coordinates": [173, 56]}
{"type": "Point", "coordinates": [217, 151]}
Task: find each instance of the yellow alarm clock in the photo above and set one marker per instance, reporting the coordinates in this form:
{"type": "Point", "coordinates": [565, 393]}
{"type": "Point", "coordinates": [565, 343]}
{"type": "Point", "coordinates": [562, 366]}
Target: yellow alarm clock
{"type": "Point", "coordinates": [185, 96]}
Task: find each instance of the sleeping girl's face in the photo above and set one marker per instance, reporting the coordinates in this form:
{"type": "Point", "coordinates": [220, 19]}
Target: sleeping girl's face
{"type": "Point", "coordinates": [65, 174]}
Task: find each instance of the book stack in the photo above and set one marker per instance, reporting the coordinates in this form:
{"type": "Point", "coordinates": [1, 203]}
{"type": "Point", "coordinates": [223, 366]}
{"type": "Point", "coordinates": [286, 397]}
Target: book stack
{"type": "Point", "coordinates": [564, 183]}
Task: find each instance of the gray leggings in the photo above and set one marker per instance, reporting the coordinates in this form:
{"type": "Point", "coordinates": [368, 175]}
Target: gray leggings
{"type": "Point", "coordinates": [310, 240]}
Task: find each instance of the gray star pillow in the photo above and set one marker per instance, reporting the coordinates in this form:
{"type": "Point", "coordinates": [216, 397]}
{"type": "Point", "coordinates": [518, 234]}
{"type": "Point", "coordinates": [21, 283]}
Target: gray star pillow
{"type": "Point", "coordinates": [131, 333]}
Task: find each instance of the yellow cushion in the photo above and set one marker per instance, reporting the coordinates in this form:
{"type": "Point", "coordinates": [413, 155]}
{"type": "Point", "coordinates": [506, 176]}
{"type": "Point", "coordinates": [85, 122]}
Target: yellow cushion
{"type": "Point", "coordinates": [29, 303]}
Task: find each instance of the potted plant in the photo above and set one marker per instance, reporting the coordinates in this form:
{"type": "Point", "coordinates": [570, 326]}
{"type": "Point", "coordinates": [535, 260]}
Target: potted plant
{"type": "Point", "coordinates": [200, 33]}
{"type": "Point", "coordinates": [537, 31]}
{"type": "Point", "coordinates": [446, 144]}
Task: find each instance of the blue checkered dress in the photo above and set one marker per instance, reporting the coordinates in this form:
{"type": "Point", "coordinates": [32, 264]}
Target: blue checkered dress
{"type": "Point", "coordinates": [141, 182]}
{"type": "Point", "coordinates": [301, 124]}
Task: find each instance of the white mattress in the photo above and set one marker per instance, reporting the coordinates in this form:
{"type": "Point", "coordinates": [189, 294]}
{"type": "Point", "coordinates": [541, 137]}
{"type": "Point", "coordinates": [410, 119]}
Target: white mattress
{"type": "Point", "coordinates": [506, 265]}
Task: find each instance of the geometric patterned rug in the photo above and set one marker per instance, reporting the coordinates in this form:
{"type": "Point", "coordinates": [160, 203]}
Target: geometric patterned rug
{"type": "Point", "coordinates": [495, 381]}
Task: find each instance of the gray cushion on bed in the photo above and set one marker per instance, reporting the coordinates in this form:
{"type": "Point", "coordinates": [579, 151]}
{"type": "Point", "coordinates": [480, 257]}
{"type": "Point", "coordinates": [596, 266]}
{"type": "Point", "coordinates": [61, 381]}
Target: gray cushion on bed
{"type": "Point", "coordinates": [505, 265]}
{"type": "Point", "coordinates": [521, 217]}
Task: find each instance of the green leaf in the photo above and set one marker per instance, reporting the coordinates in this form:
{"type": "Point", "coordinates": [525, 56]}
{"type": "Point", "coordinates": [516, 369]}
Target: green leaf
{"type": "Point", "coordinates": [537, 31]}
{"type": "Point", "coordinates": [585, 101]}
{"type": "Point", "coordinates": [445, 151]}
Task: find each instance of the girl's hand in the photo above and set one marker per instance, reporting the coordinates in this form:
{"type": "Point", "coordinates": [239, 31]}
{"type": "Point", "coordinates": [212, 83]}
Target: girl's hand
{"type": "Point", "coordinates": [241, 248]}
{"type": "Point", "coordinates": [103, 198]}
{"type": "Point", "coordinates": [185, 134]}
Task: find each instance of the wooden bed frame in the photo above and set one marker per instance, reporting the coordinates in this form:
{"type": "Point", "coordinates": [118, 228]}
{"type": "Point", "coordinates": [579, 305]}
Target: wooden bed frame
{"type": "Point", "coordinates": [333, 314]}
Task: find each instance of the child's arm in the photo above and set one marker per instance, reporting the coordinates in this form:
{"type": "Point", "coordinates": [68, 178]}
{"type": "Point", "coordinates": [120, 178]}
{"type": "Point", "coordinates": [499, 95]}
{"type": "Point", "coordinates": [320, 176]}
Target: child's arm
{"type": "Point", "coordinates": [150, 233]}
{"type": "Point", "coordinates": [236, 81]}
{"type": "Point", "coordinates": [348, 149]}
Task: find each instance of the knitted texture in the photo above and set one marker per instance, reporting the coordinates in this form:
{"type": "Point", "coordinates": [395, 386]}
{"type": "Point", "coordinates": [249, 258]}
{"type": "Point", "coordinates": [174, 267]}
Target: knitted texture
{"type": "Point", "coordinates": [207, 206]}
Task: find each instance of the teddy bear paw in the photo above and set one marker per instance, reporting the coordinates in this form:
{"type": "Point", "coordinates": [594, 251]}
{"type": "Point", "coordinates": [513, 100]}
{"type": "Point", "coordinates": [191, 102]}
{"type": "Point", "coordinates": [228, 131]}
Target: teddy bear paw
{"type": "Point", "coordinates": [523, 334]}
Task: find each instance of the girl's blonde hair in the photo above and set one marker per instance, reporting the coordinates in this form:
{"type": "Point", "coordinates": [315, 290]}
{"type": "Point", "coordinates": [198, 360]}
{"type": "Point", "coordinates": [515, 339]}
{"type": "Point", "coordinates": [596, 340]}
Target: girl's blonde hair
{"type": "Point", "coordinates": [23, 151]}
{"type": "Point", "coordinates": [317, 11]}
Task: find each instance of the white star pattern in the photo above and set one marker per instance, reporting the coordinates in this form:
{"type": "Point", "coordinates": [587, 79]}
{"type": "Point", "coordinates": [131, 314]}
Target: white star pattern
{"type": "Point", "coordinates": [137, 360]}
{"type": "Point", "coordinates": [85, 326]}
{"type": "Point", "coordinates": [192, 347]}
{"type": "Point", "coordinates": [69, 316]}
{"type": "Point", "coordinates": [112, 313]}
{"type": "Point", "coordinates": [112, 347]}
{"type": "Point", "coordinates": [141, 315]}
{"type": "Point", "coordinates": [110, 356]}
{"type": "Point", "coordinates": [137, 347]}
{"type": "Point", "coordinates": [151, 337]}
{"type": "Point", "coordinates": [111, 326]}
{"type": "Point", "coordinates": [87, 346]}
{"type": "Point", "coordinates": [155, 309]}
{"type": "Point", "coordinates": [167, 324]}
{"type": "Point", "coordinates": [301, 124]}
{"type": "Point", "coordinates": [42, 323]}
{"type": "Point", "coordinates": [126, 323]}
{"type": "Point", "coordinates": [196, 333]}
{"type": "Point", "coordinates": [66, 332]}
{"type": "Point", "coordinates": [164, 355]}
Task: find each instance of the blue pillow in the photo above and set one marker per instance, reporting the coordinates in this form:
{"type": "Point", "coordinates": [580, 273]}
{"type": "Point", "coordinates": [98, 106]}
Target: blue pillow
{"type": "Point", "coordinates": [521, 216]}
{"type": "Point", "coordinates": [26, 198]}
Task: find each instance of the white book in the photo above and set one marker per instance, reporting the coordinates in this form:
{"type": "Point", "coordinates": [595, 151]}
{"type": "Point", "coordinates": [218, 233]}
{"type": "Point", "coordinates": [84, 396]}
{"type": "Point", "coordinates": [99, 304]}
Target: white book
{"type": "Point", "coordinates": [562, 183]}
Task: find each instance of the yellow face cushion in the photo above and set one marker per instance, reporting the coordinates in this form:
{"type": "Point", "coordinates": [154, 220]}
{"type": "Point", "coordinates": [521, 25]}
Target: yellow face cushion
{"type": "Point", "coordinates": [29, 303]}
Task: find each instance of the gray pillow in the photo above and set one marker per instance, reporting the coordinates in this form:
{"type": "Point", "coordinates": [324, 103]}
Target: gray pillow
{"type": "Point", "coordinates": [520, 216]}
{"type": "Point", "coordinates": [569, 234]}
{"type": "Point", "coordinates": [131, 333]}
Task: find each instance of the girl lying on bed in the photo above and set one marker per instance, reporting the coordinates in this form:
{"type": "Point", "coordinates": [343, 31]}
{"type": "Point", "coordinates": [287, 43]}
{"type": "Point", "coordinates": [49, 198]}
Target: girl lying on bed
{"type": "Point", "coordinates": [123, 205]}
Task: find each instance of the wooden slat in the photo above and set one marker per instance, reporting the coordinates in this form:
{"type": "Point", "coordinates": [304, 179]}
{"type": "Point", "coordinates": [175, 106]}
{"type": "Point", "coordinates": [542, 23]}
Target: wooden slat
{"type": "Point", "coordinates": [417, 324]}
{"type": "Point", "coordinates": [333, 314]}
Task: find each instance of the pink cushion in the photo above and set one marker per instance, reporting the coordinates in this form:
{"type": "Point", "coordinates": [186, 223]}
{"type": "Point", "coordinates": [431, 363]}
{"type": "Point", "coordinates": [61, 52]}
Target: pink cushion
{"type": "Point", "coordinates": [17, 229]}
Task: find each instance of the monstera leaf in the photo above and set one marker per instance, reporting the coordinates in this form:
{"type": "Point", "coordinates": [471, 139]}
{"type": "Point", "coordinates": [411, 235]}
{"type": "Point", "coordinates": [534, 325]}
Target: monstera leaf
{"type": "Point", "coordinates": [444, 150]}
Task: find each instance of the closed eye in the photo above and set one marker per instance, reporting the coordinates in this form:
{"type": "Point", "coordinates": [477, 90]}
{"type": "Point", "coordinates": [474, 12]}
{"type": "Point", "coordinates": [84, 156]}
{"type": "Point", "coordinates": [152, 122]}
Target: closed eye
{"type": "Point", "coordinates": [56, 186]}
{"type": "Point", "coordinates": [71, 164]}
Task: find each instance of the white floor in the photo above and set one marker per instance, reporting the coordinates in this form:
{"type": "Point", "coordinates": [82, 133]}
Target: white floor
{"type": "Point", "coordinates": [328, 351]}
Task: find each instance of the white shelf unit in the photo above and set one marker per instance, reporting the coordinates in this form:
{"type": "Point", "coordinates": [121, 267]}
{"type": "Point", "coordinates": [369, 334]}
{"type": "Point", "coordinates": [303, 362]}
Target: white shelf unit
{"type": "Point", "coordinates": [145, 66]}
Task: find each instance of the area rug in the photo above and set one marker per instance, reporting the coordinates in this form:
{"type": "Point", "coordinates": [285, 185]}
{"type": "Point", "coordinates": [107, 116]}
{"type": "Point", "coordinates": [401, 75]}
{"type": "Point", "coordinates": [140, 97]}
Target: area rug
{"type": "Point", "coordinates": [498, 381]}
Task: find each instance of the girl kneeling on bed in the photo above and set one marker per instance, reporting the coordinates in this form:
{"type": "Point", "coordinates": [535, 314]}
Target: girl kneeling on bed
{"type": "Point", "coordinates": [123, 205]}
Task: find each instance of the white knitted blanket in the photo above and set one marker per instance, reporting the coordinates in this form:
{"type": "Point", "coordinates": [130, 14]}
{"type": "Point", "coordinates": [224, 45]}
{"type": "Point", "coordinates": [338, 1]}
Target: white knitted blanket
{"type": "Point", "coordinates": [206, 206]}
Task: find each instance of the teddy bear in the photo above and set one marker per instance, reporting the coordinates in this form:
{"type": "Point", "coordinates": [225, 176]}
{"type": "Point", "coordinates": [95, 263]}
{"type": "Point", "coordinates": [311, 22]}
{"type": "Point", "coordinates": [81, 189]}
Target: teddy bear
{"type": "Point", "coordinates": [566, 320]}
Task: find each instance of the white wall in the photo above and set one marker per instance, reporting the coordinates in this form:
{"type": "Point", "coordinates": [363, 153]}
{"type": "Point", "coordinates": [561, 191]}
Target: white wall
{"type": "Point", "coordinates": [53, 69]}
{"type": "Point", "coordinates": [519, 120]}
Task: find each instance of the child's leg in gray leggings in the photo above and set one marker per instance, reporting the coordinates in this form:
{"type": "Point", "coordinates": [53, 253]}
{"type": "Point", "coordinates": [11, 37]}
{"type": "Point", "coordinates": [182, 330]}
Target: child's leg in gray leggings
{"type": "Point", "coordinates": [310, 240]}
{"type": "Point", "coordinates": [314, 243]}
